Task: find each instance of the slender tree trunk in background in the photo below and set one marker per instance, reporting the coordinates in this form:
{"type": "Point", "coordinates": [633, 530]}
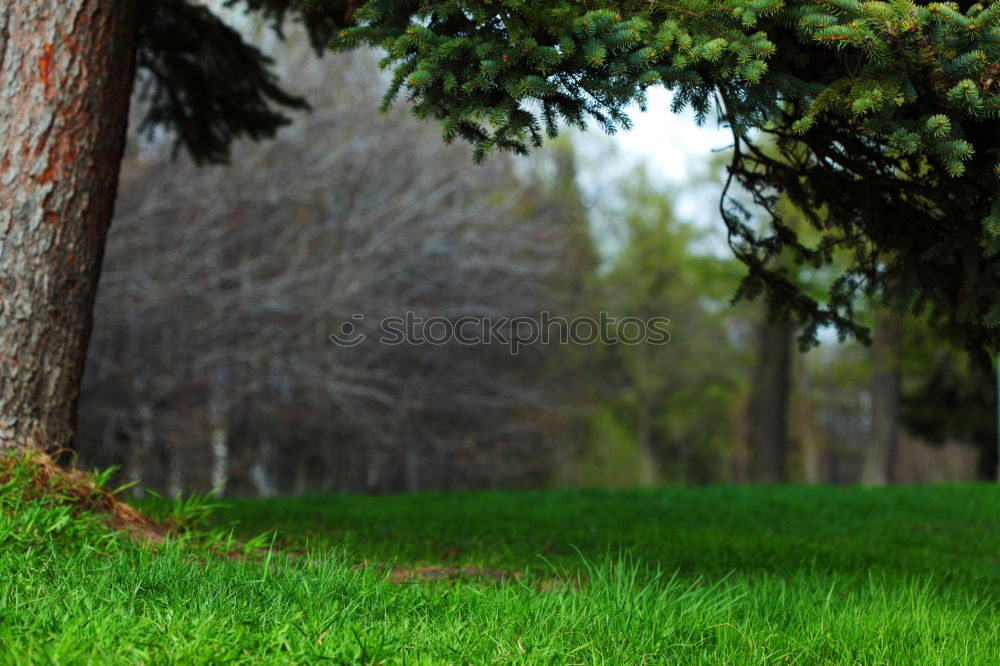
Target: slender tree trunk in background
{"type": "Point", "coordinates": [987, 463]}
{"type": "Point", "coordinates": [880, 454]}
{"type": "Point", "coordinates": [140, 453]}
{"type": "Point", "coordinates": [300, 480]}
{"type": "Point", "coordinates": [648, 472]}
{"type": "Point", "coordinates": [218, 428]}
{"type": "Point", "coordinates": [768, 418]}
{"type": "Point", "coordinates": [175, 472]}
{"type": "Point", "coordinates": [372, 461]}
{"type": "Point", "coordinates": [260, 472]}
{"type": "Point", "coordinates": [66, 74]}
{"type": "Point", "coordinates": [809, 438]}
{"type": "Point", "coordinates": [220, 458]}
{"type": "Point", "coordinates": [411, 471]}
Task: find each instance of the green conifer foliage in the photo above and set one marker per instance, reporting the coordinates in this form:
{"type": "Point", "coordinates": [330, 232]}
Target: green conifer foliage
{"type": "Point", "coordinates": [877, 119]}
{"type": "Point", "coordinates": [883, 115]}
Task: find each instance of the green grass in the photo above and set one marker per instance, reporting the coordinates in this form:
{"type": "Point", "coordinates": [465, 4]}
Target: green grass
{"type": "Point", "coordinates": [948, 533]}
{"type": "Point", "coordinates": [715, 575]}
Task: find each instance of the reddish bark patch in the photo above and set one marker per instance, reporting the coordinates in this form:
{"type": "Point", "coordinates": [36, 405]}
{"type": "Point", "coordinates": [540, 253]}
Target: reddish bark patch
{"type": "Point", "coordinates": [69, 155]}
{"type": "Point", "coordinates": [49, 174]}
{"type": "Point", "coordinates": [45, 64]}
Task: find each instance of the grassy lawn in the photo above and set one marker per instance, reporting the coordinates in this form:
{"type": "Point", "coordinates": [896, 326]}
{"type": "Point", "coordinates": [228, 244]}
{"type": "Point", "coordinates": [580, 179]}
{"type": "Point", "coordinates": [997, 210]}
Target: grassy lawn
{"type": "Point", "coordinates": [717, 575]}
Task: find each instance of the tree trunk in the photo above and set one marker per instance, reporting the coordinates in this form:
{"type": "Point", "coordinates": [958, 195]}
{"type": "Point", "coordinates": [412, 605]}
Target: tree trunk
{"type": "Point", "coordinates": [880, 454]}
{"type": "Point", "coordinates": [809, 436]}
{"type": "Point", "coordinates": [260, 472]}
{"type": "Point", "coordinates": [175, 472]}
{"type": "Point", "coordinates": [218, 427]}
{"type": "Point", "coordinates": [141, 452]}
{"type": "Point", "coordinates": [648, 472]}
{"type": "Point", "coordinates": [66, 74]}
{"type": "Point", "coordinates": [768, 417]}
{"type": "Point", "coordinates": [300, 480]}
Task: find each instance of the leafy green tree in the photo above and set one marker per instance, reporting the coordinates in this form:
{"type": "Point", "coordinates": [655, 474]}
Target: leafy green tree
{"type": "Point", "coordinates": [669, 411]}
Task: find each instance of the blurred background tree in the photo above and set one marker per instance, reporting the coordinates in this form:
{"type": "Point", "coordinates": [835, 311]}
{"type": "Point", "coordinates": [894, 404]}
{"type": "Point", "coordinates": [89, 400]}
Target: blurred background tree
{"type": "Point", "coordinates": [667, 412]}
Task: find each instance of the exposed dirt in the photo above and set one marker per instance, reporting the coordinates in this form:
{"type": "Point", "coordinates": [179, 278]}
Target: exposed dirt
{"type": "Point", "coordinates": [431, 573]}
{"type": "Point", "coordinates": [77, 488]}
{"type": "Point", "coordinates": [416, 574]}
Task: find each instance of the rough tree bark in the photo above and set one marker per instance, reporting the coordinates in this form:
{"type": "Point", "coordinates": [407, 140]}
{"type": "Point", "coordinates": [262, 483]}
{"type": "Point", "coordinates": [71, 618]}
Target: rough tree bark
{"type": "Point", "coordinates": [880, 454]}
{"type": "Point", "coordinates": [66, 74]}
{"type": "Point", "coordinates": [768, 417]}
